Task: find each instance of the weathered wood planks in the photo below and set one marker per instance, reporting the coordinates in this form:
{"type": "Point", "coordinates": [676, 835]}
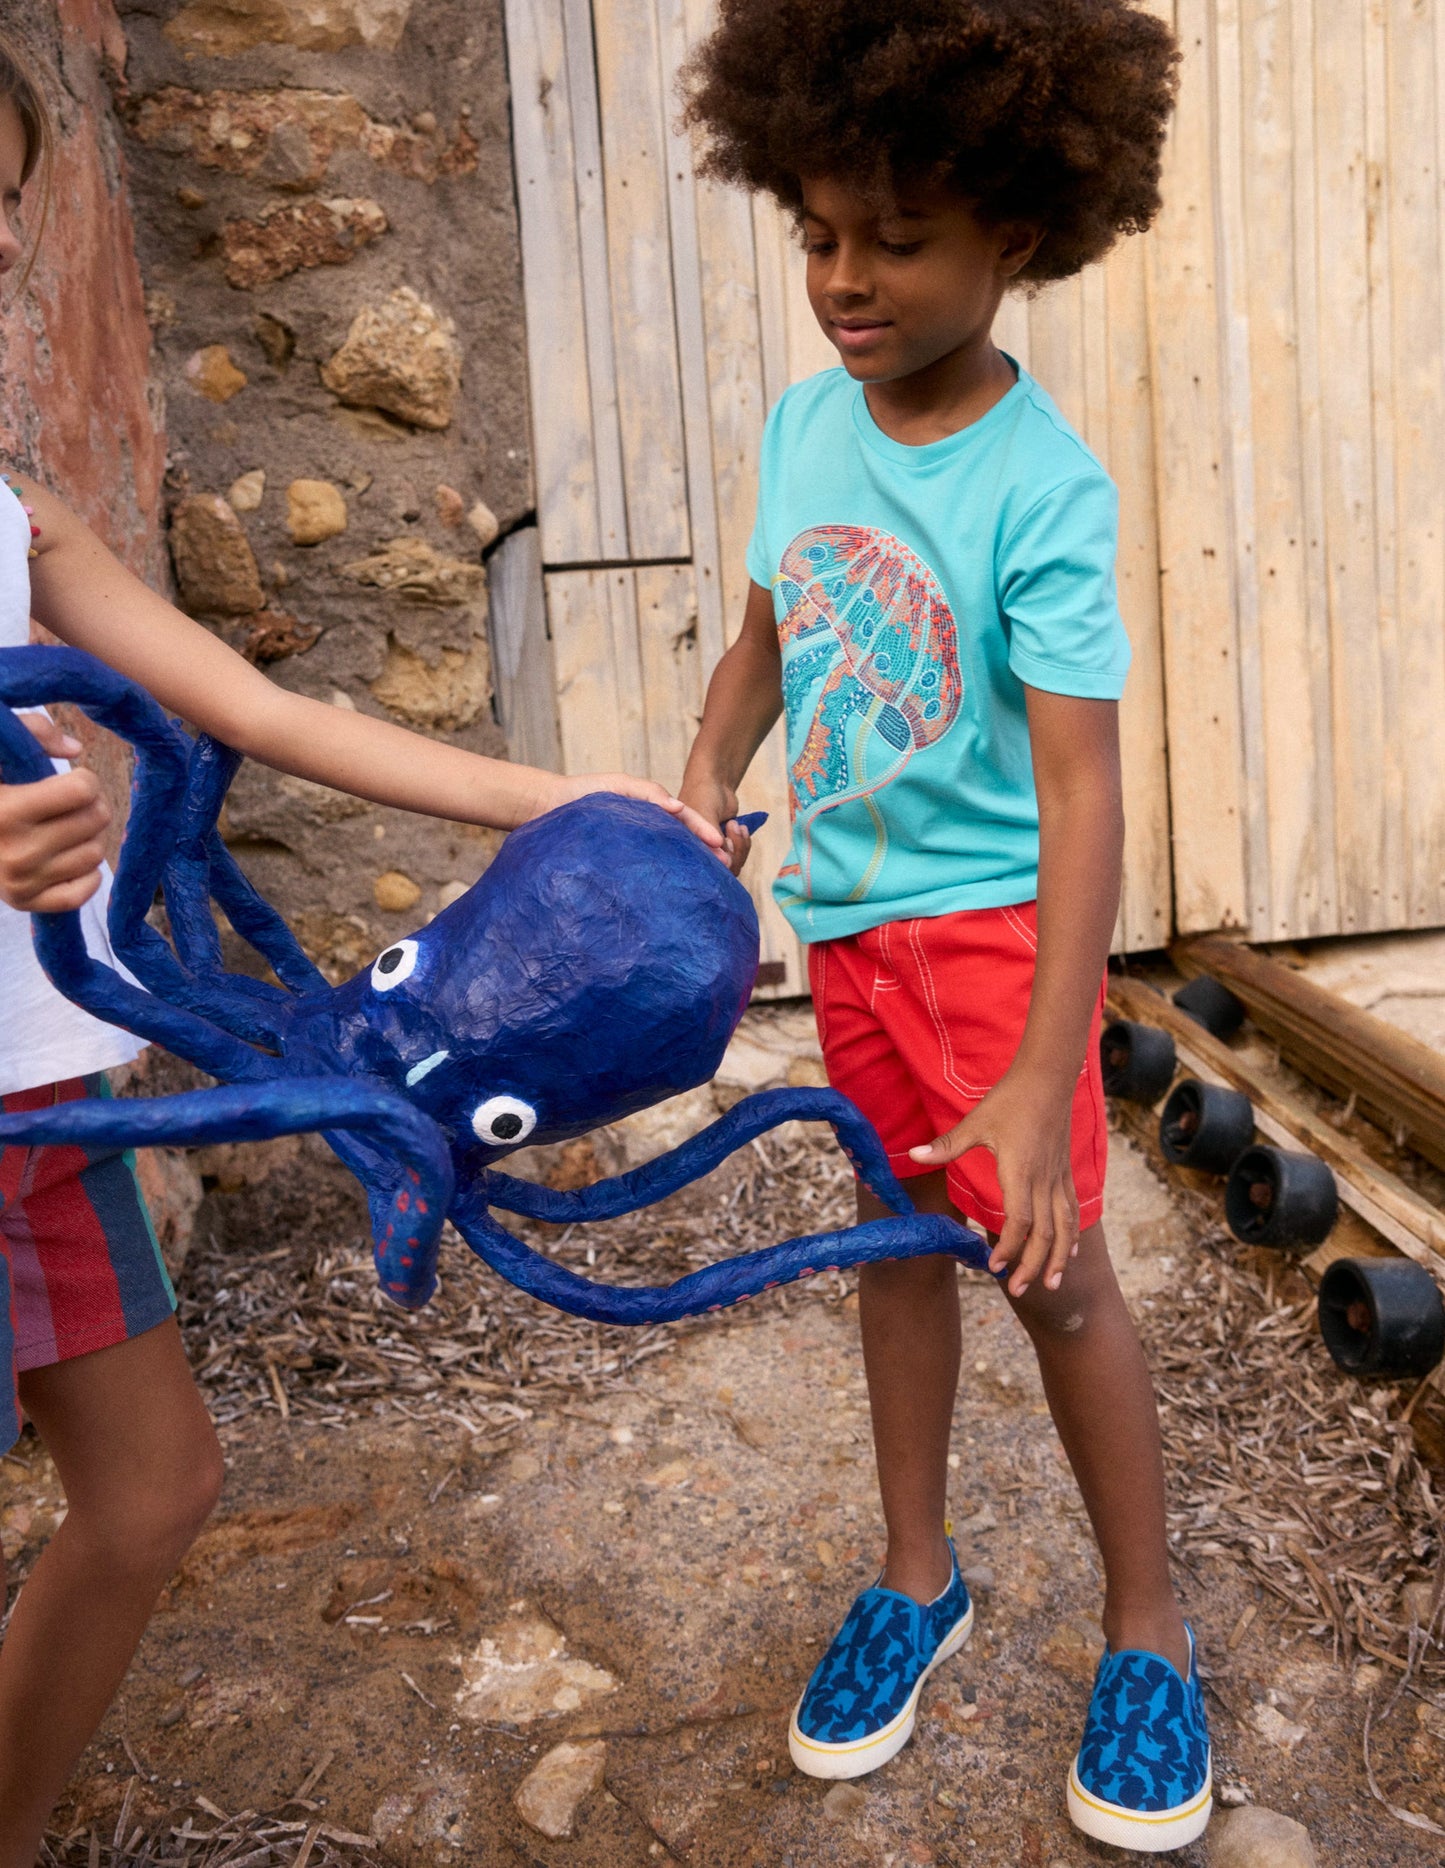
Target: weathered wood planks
{"type": "Point", "coordinates": [1264, 375]}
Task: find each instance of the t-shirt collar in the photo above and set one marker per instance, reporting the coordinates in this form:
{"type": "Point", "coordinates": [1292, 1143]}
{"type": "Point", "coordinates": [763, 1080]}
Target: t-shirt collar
{"type": "Point", "coordinates": [930, 453]}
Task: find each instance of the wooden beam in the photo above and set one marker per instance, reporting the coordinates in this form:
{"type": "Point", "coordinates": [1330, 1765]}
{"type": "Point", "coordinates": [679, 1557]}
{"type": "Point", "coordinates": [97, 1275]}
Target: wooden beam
{"type": "Point", "coordinates": [1394, 1209]}
{"type": "Point", "coordinates": [1395, 1079]}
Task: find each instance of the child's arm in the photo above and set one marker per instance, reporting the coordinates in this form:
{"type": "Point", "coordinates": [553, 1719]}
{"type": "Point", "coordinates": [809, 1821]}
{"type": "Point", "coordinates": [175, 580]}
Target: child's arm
{"type": "Point", "coordinates": [744, 698]}
{"type": "Point", "coordinates": [1025, 1119]}
{"type": "Point", "coordinates": [86, 597]}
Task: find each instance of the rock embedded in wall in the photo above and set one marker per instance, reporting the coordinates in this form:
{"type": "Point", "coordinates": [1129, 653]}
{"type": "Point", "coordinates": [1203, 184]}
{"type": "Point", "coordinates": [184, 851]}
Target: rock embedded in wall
{"type": "Point", "coordinates": [215, 566]}
{"type": "Point", "coordinates": [226, 28]}
{"type": "Point", "coordinates": [386, 367]}
{"type": "Point", "coordinates": [315, 511]}
{"type": "Point", "coordinates": [438, 695]}
{"type": "Point", "coordinates": [287, 237]}
{"type": "Point", "coordinates": [401, 357]}
{"type": "Point", "coordinates": [288, 138]}
{"type": "Point", "coordinates": [417, 571]}
{"type": "Point", "coordinates": [212, 374]}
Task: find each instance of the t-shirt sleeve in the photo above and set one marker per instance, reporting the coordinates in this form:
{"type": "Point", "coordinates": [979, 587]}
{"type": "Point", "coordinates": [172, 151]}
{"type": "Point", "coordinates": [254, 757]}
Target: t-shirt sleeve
{"type": "Point", "coordinates": [1058, 595]}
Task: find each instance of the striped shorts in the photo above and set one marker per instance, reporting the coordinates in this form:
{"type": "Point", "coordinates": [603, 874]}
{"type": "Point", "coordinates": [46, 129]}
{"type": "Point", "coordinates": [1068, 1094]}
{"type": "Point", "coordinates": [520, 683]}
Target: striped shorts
{"type": "Point", "coordinates": [80, 1268]}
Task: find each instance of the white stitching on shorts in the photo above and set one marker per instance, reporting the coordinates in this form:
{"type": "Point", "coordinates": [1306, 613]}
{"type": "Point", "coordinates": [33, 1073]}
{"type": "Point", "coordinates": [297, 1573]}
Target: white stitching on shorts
{"type": "Point", "coordinates": [1021, 928]}
{"type": "Point", "coordinates": [974, 1092]}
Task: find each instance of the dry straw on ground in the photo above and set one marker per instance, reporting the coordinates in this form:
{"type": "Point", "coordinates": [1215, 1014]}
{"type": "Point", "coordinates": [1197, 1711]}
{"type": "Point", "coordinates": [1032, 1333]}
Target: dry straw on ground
{"type": "Point", "coordinates": [1307, 1481]}
{"type": "Point", "coordinates": [314, 1337]}
{"type": "Point", "coordinates": [197, 1834]}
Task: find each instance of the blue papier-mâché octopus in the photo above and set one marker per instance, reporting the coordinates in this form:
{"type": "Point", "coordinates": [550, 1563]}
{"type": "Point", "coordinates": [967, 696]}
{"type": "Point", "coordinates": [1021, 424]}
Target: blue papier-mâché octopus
{"type": "Point", "coordinates": [600, 965]}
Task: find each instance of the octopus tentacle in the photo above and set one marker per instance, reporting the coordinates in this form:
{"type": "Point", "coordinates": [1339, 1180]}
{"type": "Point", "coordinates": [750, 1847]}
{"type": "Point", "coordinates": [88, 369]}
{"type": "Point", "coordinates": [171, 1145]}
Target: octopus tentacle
{"type": "Point", "coordinates": [217, 873]}
{"type": "Point", "coordinates": [701, 1153]}
{"type": "Point", "coordinates": [28, 678]}
{"type": "Point", "coordinates": [715, 1287]}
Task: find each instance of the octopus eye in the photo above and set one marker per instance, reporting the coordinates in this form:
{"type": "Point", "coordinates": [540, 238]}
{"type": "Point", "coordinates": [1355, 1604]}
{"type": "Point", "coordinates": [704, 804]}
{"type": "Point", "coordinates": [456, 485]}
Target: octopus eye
{"type": "Point", "coordinates": [503, 1119]}
{"type": "Point", "coordinates": [395, 965]}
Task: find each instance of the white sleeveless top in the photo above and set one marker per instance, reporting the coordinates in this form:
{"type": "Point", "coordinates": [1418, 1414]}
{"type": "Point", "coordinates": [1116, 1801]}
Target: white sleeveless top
{"type": "Point", "coordinates": [43, 1037]}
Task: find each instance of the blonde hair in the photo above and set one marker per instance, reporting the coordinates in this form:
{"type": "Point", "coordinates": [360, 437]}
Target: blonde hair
{"type": "Point", "coordinates": [20, 86]}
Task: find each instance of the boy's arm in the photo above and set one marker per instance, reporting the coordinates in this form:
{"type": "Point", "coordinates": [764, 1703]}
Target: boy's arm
{"type": "Point", "coordinates": [1025, 1119]}
{"type": "Point", "coordinates": [744, 698]}
{"type": "Point", "coordinates": [86, 597]}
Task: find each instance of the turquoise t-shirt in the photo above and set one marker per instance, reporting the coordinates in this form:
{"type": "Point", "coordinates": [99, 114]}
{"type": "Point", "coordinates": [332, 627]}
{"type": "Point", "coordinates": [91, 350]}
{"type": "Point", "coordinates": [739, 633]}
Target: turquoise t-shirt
{"type": "Point", "coordinates": [917, 591]}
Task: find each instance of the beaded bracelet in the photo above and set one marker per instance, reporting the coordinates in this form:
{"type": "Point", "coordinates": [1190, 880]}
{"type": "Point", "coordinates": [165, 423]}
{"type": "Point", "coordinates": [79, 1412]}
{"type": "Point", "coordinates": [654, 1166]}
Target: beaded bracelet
{"type": "Point", "coordinates": [29, 511]}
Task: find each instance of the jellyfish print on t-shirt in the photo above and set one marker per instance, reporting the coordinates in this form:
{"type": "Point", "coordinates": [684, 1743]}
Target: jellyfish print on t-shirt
{"type": "Point", "coordinates": [870, 675]}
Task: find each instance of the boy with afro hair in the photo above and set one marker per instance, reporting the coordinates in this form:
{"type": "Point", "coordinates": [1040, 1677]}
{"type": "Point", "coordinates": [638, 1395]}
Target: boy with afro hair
{"type": "Point", "coordinates": [933, 607]}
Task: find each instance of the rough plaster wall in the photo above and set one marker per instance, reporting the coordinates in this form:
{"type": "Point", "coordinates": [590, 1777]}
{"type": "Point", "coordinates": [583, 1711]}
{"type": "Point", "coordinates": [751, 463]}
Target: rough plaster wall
{"type": "Point", "coordinates": [299, 167]}
{"type": "Point", "coordinates": [79, 409]}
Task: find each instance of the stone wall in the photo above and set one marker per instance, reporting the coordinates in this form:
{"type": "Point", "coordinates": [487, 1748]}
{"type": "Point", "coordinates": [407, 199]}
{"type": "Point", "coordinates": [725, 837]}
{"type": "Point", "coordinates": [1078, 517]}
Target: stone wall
{"type": "Point", "coordinates": [326, 229]}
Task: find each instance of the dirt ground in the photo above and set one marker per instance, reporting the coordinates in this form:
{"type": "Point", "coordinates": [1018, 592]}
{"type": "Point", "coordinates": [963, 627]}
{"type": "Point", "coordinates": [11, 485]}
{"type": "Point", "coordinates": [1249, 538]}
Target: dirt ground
{"type": "Point", "coordinates": [652, 1569]}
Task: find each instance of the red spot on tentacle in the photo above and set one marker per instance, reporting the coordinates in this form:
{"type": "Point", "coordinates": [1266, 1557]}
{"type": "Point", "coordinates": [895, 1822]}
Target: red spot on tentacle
{"type": "Point", "coordinates": [407, 1263]}
{"type": "Point", "coordinates": [421, 1206]}
{"type": "Point", "coordinates": [413, 1177]}
{"type": "Point", "coordinates": [403, 1201]}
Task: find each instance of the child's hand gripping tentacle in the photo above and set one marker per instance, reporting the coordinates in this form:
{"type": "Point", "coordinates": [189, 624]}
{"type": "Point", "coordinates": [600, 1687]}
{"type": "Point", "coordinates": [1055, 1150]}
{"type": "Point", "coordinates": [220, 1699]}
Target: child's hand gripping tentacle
{"type": "Point", "coordinates": [914, 1235]}
{"type": "Point", "coordinates": [407, 1212]}
{"type": "Point", "coordinates": [701, 1153]}
{"type": "Point", "coordinates": [29, 677]}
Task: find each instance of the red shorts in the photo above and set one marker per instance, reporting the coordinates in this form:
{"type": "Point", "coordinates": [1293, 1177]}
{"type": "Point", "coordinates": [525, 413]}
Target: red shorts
{"type": "Point", "coordinates": [919, 1020]}
{"type": "Point", "coordinates": [80, 1268]}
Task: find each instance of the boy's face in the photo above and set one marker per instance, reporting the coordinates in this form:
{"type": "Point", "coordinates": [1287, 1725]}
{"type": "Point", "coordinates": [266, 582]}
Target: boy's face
{"type": "Point", "coordinates": [13, 152]}
{"type": "Point", "coordinates": [898, 288]}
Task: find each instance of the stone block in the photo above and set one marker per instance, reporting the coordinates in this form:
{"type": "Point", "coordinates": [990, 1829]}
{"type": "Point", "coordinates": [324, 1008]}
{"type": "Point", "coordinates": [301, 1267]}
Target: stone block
{"type": "Point", "coordinates": [550, 1794]}
{"type": "Point", "coordinates": [291, 236]}
{"type": "Point", "coordinates": [1254, 1837]}
{"type": "Point", "coordinates": [395, 892]}
{"type": "Point", "coordinates": [485, 524]}
{"type": "Point", "coordinates": [212, 374]}
{"type": "Point", "coordinates": [315, 511]}
{"type": "Point", "coordinates": [521, 1671]}
{"type": "Point", "coordinates": [270, 636]}
{"type": "Point", "coordinates": [413, 569]}
{"type": "Point", "coordinates": [441, 697]}
{"type": "Point", "coordinates": [402, 357]}
{"type": "Point", "coordinates": [215, 566]}
{"type": "Point", "coordinates": [287, 138]}
{"type": "Point", "coordinates": [247, 491]}
{"type": "Point", "coordinates": [226, 28]}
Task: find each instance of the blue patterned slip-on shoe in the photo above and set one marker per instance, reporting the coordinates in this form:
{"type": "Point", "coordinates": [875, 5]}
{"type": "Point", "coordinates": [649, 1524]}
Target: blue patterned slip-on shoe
{"type": "Point", "coordinates": [1141, 1779]}
{"type": "Point", "coordinates": [859, 1708]}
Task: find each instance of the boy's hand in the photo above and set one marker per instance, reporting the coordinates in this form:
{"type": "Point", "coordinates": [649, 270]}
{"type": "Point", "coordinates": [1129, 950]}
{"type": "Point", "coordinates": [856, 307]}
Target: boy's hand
{"type": "Point", "coordinates": [1025, 1125]}
{"type": "Point", "coordinates": [51, 831]}
{"type": "Point", "coordinates": [571, 789]}
{"type": "Point", "coordinates": [717, 804]}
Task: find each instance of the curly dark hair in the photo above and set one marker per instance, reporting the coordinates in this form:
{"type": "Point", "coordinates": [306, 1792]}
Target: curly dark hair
{"type": "Point", "coordinates": [1051, 112]}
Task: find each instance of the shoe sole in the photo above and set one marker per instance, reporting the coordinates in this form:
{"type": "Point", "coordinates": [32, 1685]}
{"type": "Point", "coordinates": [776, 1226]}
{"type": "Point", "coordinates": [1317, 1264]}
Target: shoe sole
{"type": "Point", "coordinates": [857, 1758]}
{"type": "Point", "coordinates": [1149, 1832]}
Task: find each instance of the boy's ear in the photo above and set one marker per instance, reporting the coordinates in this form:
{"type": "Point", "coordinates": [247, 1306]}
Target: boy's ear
{"type": "Point", "coordinates": [1018, 242]}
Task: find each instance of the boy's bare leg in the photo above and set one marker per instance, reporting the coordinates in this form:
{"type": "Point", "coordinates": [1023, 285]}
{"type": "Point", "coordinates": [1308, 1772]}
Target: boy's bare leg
{"type": "Point", "coordinates": [1099, 1393]}
{"type": "Point", "coordinates": [138, 1458]}
{"type": "Point", "coordinates": [908, 1316]}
